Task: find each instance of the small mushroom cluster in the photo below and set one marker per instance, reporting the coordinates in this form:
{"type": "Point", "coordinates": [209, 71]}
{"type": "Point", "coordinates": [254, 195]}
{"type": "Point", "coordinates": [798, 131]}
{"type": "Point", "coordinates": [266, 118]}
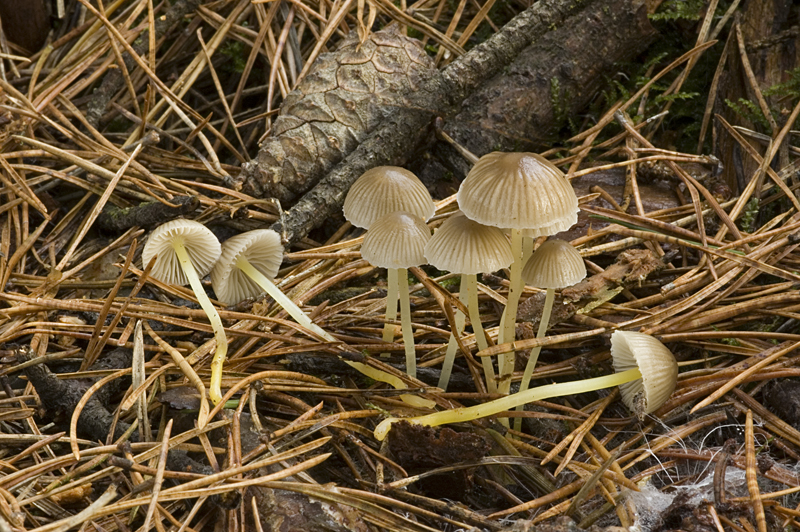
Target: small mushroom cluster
{"type": "Point", "coordinates": [242, 267]}
{"type": "Point", "coordinates": [529, 197]}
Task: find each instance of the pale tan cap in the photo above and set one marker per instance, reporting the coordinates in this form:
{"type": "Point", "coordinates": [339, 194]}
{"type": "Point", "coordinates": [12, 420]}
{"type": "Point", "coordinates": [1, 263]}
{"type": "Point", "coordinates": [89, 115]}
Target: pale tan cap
{"type": "Point", "coordinates": [519, 191]}
{"type": "Point", "coordinates": [555, 264]}
{"type": "Point", "coordinates": [261, 248]}
{"type": "Point", "coordinates": [200, 243]}
{"type": "Point", "coordinates": [464, 246]}
{"type": "Point", "coordinates": [385, 189]}
{"type": "Point", "coordinates": [396, 241]}
{"type": "Point", "coordinates": [658, 366]}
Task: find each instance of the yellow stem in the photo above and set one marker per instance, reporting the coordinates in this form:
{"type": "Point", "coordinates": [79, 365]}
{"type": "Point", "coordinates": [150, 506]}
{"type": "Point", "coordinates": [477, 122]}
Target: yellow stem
{"type": "Point", "coordinates": [282, 299]}
{"type": "Point", "coordinates": [215, 391]}
{"type": "Point", "coordinates": [508, 331]}
{"type": "Point", "coordinates": [405, 322]}
{"type": "Point", "coordinates": [482, 410]}
{"type": "Point", "coordinates": [534, 356]}
{"type": "Point", "coordinates": [452, 345]}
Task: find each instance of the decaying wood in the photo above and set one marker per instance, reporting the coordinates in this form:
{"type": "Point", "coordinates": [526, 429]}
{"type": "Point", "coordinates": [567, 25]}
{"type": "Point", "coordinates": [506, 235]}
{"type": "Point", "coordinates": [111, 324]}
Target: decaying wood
{"type": "Point", "coordinates": [549, 83]}
{"type": "Point", "coordinates": [439, 95]}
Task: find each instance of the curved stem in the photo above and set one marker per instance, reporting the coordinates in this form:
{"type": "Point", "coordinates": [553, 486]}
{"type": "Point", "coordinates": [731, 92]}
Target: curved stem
{"type": "Point", "coordinates": [405, 322]}
{"type": "Point", "coordinates": [505, 403]}
{"type": "Point", "coordinates": [282, 299]}
{"type": "Point", "coordinates": [452, 345]}
{"type": "Point", "coordinates": [549, 297]}
{"type": "Point", "coordinates": [469, 284]}
{"type": "Point", "coordinates": [505, 361]}
{"type": "Point", "coordinates": [391, 306]}
{"type": "Point", "coordinates": [215, 387]}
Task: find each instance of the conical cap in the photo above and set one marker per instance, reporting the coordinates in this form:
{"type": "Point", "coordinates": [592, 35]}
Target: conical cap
{"type": "Point", "coordinates": [658, 367]}
{"type": "Point", "coordinates": [464, 246]}
{"type": "Point", "coordinates": [518, 191]}
{"type": "Point", "coordinates": [555, 264]}
{"type": "Point", "coordinates": [200, 243]}
{"type": "Point", "coordinates": [396, 241]}
{"type": "Point", "coordinates": [261, 248]}
{"type": "Point", "coordinates": [383, 190]}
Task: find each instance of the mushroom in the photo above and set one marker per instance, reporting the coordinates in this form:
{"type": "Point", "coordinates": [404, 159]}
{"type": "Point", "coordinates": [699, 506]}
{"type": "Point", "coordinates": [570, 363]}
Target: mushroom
{"type": "Point", "coordinates": [554, 264]}
{"type": "Point", "coordinates": [527, 194]}
{"type": "Point", "coordinates": [646, 374]}
{"type": "Point", "coordinates": [383, 190]}
{"type": "Point", "coordinates": [380, 191]}
{"type": "Point", "coordinates": [466, 247]}
{"type": "Point", "coordinates": [186, 250]}
{"type": "Point", "coordinates": [246, 267]}
{"type": "Point", "coordinates": [397, 242]}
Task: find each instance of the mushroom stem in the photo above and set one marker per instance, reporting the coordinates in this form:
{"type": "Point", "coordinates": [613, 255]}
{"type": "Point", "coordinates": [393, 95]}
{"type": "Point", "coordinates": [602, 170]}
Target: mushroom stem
{"type": "Point", "coordinates": [549, 297]}
{"type": "Point", "coordinates": [282, 299]}
{"type": "Point", "coordinates": [391, 307]}
{"type": "Point", "coordinates": [505, 403]}
{"type": "Point", "coordinates": [215, 391]}
{"type": "Point", "coordinates": [405, 322]}
{"type": "Point", "coordinates": [469, 284]}
{"type": "Point", "coordinates": [452, 345]}
{"type": "Point", "coordinates": [505, 362]}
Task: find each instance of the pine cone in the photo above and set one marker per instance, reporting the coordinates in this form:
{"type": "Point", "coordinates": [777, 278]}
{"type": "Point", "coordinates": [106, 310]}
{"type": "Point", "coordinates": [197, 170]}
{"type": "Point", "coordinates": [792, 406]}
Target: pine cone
{"type": "Point", "coordinates": [344, 96]}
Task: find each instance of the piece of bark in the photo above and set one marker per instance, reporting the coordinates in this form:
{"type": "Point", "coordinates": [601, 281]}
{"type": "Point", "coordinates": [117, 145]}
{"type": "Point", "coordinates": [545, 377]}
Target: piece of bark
{"type": "Point", "coordinates": [524, 108]}
{"type": "Point", "coordinates": [345, 95]}
{"type": "Point", "coordinates": [440, 94]}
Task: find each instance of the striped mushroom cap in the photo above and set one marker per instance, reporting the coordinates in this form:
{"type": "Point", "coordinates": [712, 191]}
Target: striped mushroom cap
{"type": "Point", "coordinates": [519, 191]}
{"type": "Point", "coordinates": [396, 241]}
{"type": "Point", "coordinates": [261, 248]}
{"type": "Point", "coordinates": [383, 190]}
{"type": "Point", "coordinates": [464, 246]}
{"type": "Point", "coordinates": [656, 363]}
{"type": "Point", "coordinates": [200, 243]}
{"type": "Point", "coordinates": [555, 264]}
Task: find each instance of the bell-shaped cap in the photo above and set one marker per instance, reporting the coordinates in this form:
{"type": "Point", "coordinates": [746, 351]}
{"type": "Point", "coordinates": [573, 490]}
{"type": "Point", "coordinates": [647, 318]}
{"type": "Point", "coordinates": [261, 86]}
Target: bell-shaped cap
{"type": "Point", "coordinates": [464, 246]}
{"type": "Point", "coordinates": [555, 264]}
{"type": "Point", "coordinates": [519, 191]}
{"type": "Point", "coordinates": [200, 243]}
{"type": "Point", "coordinates": [383, 190]}
{"type": "Point", "coordinates": [396, 241]}
{"type": "Point", "coordinates": [656, 363]}
{"type": "Point", "coordinates": [261, 248]}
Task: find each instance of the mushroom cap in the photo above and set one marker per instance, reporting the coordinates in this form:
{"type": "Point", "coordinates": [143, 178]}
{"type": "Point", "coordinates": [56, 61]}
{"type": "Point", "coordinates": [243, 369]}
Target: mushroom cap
{"type": "Point", "coordinates": [396, 241]}
{"type": "Point", "coordinates": [464, 246]}
{"type": "Point", "coordinates": [262, 248]}
{"type": "Point", "coordinates": [555, 264]}
{"type": "Point", "coordinates": [386, 189]}
{"type": "Point", "coordinates": [519, 191]}
{"type": "Point", "coordinates": [658, 366]}
{"type": "Point", "coordinates": [200, 243]}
